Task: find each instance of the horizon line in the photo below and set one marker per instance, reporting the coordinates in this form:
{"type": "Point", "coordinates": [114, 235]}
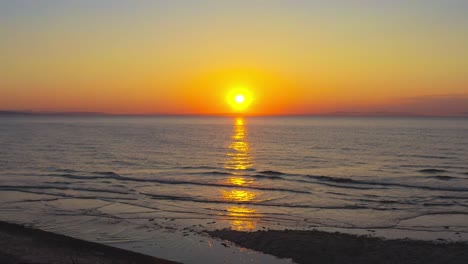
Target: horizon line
{"type": "Point", "coordinates": [327, 114]}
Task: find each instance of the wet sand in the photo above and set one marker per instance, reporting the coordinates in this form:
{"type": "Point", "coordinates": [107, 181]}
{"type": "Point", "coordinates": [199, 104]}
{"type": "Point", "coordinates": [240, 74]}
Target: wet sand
{"type": "Point", "coordinates": [24, 245]}
{"type": "Point", "coordinates": [324, 247]}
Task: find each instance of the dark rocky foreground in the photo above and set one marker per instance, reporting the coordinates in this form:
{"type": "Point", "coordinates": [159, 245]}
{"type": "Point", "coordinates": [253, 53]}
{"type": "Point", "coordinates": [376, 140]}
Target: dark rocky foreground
{"type": "Point", "coordinates": [322, 247]}
{"type": "Point", "coordinates": [24, 245]}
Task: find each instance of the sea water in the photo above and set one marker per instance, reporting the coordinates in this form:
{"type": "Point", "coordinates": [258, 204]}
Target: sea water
{"type": "Point", "coordinates": [154, 184]}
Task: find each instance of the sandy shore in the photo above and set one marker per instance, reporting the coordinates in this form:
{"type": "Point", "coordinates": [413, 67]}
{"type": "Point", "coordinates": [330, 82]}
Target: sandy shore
{"type": "Point", "coordinates": [323, 247]}
{"type": "Point", "coordinates": [19, 244]}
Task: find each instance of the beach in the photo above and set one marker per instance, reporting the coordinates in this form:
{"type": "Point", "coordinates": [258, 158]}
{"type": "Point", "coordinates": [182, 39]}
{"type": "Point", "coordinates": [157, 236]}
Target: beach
{"type": "Point", "coordinates": [19, 244]}
{"type": "Point", "coordinates": [324, 247]}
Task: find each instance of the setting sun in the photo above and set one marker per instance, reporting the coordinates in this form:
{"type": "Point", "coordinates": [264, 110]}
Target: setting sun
{"type": "Point", "coordinates": [239, 98]}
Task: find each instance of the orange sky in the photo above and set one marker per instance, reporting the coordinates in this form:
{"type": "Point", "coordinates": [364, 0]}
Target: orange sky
{"type": "Point", "coordinates": [171, 58]}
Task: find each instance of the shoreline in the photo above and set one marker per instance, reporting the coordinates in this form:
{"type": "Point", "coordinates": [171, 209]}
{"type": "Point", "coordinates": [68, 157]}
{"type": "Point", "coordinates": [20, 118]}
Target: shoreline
{"type": "Point", "coordinates": [20, 244]}
{"type": "Point", "coordinates": [325, 247]}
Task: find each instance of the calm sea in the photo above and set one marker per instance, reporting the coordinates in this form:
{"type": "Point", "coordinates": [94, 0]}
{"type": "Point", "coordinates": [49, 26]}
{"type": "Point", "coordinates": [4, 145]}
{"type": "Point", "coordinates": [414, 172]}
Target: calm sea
{"type": "Point", "coordinates": [111, 179]}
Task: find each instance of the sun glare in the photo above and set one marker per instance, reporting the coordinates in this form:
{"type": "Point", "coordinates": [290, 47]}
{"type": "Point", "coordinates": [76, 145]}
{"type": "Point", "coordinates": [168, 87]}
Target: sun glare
{"type": "Point", "coordinates": [239, 98]}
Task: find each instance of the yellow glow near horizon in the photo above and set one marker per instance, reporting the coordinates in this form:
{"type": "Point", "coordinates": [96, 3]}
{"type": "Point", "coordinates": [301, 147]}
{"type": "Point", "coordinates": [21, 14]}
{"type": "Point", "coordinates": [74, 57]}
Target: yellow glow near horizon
{"type": "Point", "coordinates": [410, 58]}
{"type": "Point", "coordinates": [239, 98]}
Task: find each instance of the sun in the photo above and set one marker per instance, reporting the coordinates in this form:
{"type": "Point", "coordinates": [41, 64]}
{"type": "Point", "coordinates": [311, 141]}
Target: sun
{"type": "Point", "coordinates": [239, 98]}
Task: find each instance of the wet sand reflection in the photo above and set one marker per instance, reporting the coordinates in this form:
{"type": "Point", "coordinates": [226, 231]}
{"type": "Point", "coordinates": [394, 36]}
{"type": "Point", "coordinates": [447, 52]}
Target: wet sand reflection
{"type": "Point", "coordinates": [240, 161]}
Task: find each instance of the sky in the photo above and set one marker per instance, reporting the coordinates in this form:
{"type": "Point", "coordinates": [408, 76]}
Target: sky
{"type": "Point", "coordinates": [184, 57]}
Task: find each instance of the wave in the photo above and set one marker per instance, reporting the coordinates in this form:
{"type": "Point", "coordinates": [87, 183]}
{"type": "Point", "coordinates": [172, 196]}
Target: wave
{"type": "Point", "coordinates": [212, 173]}
{"type": "Point", "coordinates": [441, 204]}
{"type": "Point", "coordinates": [432, 171]}
{"type": "Point", "coordinates": [427, 156]}
{"type": "Point", "coordinates": [197, 200]}
{"type": "Point", "coordinates": [432, 166]}
{"type": "Point", "coordinates": [112, 175]}
{"type": "Point", "coordinates": [73, 174]}
{"type": "Point", "coordinates": [334, 179]}
{"type": "Point", "coordinates": [451, 197]}
{"type": "Point", "coordinates": [273, 177]}
{"type": "Point", "coordinates": [196, 167]}
{"type": "Point", "coordinates": [267, 173]}
{"type": "Point", "coordinates": [272, 172]}
{"type": "Point", "coordinates": [109, 173]}
{"type": "Point", "coordinates": [65, 170]}
{"type": "Point", "coordinates": [77, 177]}
{"type": "Point", "coordinates": [262, 174]}
{"type": "Point", "coordinates": [71, 188]}
{"type": "Point", "coordinates": [384, 184]}
{"type": "Point", "coordinates": [34, 190]}
{"type": "Point", "coordinates": [338, 182]}
{"type": "Point", "coordinates": [445, 178]}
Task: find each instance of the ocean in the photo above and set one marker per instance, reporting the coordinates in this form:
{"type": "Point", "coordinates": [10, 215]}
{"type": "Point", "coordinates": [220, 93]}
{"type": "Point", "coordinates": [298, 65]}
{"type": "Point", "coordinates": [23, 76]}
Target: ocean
{"type": "Point", "coordinates": [152, 184]}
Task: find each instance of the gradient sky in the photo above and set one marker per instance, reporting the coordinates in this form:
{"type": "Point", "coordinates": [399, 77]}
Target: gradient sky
{"type": "Point", "coordinates": [183, 57]}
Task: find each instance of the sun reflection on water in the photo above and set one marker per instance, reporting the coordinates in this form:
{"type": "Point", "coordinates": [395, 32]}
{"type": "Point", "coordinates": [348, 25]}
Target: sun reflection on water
{"type": "Point", "coordinates": [238, 154]}
{"type": "Point", "coordinates": [239, 161]}
{"type": "Point", "coordinates": [238, 196]}
{"type": "Point", "coordinates": [242, 218]}
{"type": "Point", "coordinates": [239, 181]}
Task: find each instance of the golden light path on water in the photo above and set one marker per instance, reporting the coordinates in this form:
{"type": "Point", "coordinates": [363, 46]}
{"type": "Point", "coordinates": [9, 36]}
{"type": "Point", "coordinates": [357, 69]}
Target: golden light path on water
{"type": "Point", "coordinates": [239, 160]}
